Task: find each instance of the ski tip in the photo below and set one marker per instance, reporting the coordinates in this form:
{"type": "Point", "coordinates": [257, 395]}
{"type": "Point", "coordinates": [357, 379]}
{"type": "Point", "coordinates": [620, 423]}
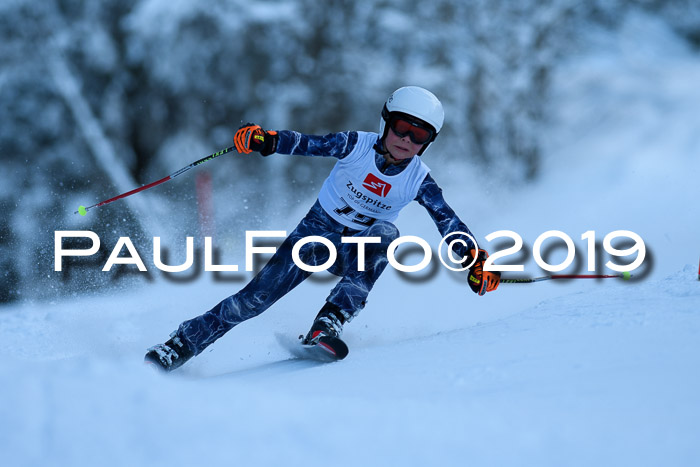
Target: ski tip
{"type": "Point", "coordinates": [152, 365]}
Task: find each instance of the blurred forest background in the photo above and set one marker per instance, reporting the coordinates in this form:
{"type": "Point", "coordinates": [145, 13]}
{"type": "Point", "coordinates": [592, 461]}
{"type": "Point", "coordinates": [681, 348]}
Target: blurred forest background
{"type": "Point", "coordinates": [100, 97]}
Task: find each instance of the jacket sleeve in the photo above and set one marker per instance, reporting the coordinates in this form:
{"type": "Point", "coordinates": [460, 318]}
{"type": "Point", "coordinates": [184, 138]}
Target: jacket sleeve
{"type": "Point", "coordinates": [430, 197]}
{"type": "Point", "coordinates": [337, 145]}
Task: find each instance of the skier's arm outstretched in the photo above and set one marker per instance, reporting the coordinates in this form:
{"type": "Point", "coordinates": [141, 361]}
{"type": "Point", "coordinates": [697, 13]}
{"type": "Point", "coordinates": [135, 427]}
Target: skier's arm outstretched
{"type": "Point", "coordinates": [251, 137]}
{"type": "Point", "coordinates": [430, 197]}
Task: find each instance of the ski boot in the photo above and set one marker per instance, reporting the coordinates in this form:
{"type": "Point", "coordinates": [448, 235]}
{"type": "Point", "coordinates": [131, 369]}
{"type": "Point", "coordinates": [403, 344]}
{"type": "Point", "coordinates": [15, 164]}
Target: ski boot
{"type": "Point", "coordinates": [169, 356]}
{"type": "Point", "coordinates": [329, 322]}
{"type": "Point", "coordinates": [326, 331]}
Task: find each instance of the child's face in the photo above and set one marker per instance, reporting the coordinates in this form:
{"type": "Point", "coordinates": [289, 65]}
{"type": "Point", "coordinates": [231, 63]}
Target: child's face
{"type": "Point", "coordinates": [400, 148]}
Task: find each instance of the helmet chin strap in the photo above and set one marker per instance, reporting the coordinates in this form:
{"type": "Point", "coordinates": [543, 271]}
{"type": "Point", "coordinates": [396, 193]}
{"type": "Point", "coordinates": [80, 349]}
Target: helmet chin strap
{"type": "Point", "coordinates": [380, 147]}
{"type": "Point", "coordinates": [392, 160]}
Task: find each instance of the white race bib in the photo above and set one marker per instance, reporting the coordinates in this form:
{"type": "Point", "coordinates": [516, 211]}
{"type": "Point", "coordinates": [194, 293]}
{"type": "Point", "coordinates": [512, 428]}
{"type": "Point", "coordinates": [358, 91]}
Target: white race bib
{"type": "Point", "coordinates": [356, 192]}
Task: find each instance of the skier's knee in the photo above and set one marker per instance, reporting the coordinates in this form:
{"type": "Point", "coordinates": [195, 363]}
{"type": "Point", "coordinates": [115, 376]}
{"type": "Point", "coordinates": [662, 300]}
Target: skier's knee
{"type": "Point", "coordinates": [384, 229]}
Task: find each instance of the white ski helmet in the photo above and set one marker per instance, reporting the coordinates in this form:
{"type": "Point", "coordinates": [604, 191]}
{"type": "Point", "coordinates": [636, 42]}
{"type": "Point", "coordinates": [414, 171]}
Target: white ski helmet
{"type": "Point", "coordinates": [415, 102]}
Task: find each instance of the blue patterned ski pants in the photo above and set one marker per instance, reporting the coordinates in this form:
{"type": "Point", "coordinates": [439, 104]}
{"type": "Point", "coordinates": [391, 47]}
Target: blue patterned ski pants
{"type": "Point", "coordinates": [280, 275]}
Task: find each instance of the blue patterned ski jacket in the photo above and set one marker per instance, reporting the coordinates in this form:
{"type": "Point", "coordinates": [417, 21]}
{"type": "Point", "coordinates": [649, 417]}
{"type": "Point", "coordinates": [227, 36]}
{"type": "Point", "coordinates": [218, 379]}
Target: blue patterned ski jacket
{"type": "Point", "coordinates": [339, 145]}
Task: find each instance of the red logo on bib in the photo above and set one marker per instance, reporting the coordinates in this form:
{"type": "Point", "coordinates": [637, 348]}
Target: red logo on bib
{"type": "Point", "coordinates": [376, 186]}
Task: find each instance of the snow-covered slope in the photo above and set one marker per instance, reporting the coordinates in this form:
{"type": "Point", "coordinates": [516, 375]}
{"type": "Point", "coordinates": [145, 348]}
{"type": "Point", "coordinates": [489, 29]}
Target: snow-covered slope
{"type": "Point", "coordinates": [575, 373]}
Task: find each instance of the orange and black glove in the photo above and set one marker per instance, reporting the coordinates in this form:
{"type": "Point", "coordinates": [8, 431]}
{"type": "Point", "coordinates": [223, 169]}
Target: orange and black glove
{"type": "Point", "coordinates": [481, 281]}
{"type": "Point", "coordinates": [250, 137]}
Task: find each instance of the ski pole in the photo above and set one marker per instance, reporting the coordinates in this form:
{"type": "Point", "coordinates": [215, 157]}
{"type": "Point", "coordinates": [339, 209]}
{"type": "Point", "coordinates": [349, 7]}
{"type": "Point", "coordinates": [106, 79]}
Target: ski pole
{"type": "Point", "coordinates": [82, 210]}
{"type": "Point", "coordinates": [625, 275]}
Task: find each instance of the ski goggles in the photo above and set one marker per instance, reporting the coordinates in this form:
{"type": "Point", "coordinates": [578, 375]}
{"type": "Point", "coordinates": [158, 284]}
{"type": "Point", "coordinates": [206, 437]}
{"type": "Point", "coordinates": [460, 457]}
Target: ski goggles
{"type": "Point", "coordinates": [417, 131]}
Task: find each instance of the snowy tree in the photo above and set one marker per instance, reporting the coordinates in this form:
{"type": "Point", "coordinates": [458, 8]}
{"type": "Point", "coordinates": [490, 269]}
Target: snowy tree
{"type": "Point", "coordinates": [99, 97]}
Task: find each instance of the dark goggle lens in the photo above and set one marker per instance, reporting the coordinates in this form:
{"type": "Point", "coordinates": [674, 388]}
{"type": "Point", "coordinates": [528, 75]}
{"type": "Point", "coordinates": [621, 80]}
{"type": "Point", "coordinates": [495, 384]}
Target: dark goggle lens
{"type": "Point", "coordinates": [418, 135]}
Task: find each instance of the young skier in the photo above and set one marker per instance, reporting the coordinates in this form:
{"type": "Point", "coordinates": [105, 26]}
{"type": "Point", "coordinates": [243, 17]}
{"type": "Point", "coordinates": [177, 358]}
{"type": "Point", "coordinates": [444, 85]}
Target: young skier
{"type": "Point", "coordinates": [375, 177]}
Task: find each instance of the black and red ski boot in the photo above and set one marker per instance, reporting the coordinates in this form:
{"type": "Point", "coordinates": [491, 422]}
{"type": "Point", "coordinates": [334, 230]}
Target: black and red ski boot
{"type": "Point", "coordinates": [326, 331]}
{"type": "Point", "coordinates": [170, 355]}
